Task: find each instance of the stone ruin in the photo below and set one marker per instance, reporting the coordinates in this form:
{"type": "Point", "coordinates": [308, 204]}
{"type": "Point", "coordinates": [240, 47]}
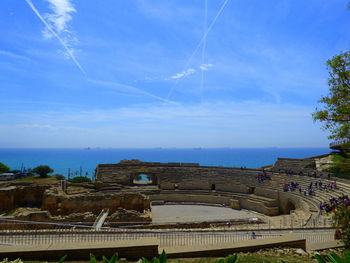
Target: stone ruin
{"type": "Point", "coordinates": [115, 189]}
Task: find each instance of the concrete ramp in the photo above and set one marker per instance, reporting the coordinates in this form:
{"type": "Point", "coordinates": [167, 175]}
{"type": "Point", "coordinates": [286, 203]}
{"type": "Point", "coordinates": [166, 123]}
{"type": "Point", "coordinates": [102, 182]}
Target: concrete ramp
{"type": "Point", "coordinates": [224, 249]}
{"type": "Point", "coordinates": [101, 219]}
{"type": "Point", "coordinates": [129, 249]}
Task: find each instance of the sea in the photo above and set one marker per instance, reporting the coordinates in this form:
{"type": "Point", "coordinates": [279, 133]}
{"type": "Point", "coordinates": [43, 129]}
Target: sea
{"type": "Point", "coordinates": [84, 161]}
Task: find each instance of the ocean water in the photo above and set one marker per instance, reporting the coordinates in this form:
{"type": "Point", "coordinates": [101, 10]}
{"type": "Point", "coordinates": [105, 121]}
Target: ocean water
{"type": "Point", "coordinates": [87, 159]}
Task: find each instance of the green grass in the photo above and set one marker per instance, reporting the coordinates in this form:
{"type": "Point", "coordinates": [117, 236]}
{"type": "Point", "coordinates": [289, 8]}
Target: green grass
{"type": "Point", "coordinates": [34, 178]}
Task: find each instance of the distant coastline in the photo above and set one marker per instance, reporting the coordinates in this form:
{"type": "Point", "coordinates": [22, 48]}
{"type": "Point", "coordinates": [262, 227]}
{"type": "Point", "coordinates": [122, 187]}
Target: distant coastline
{"type": "Point", "coordinates": [63, 159]}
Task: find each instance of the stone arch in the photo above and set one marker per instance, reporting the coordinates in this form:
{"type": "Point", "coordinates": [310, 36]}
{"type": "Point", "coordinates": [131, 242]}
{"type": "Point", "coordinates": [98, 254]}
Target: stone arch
{"type": "Point", "coordinates": [153, 179]}
{"type": "Point", "coordinates": [290, 206]}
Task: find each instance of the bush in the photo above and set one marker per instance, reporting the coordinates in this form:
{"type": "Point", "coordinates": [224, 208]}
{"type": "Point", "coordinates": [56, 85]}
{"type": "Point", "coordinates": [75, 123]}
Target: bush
{"type": "Point", "coordinates": [4, 168]}
{"type": "Point", "coordinates": [341, 220]}
{"type": "Point", "coordinates": [42, 170]}
{"type": "Point", "coordinates": [341, 164]}
{"type": "Point", "coordinates": [80, 179]}
{"type": "Point", "coordinates": [333, 257]}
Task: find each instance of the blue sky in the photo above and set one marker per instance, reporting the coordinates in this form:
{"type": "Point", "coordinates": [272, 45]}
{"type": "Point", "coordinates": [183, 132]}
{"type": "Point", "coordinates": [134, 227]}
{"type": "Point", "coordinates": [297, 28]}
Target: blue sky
{"type": "Point", "coordinates": [175, 73]}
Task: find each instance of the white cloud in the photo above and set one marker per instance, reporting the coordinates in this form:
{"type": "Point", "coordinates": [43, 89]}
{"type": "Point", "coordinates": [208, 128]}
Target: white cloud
{"type": "Point", "coordinates": [215, 124]}
{"type": "Point", "coordinates": [60, 17]}
{"type": "Point", "coordinates": [34, 126]}
{"type": "Point", "coordinates": [205, 67]}
{"type": "Point", "coordinates": [183, 74]}
{"type": "Point", "coordinates": [55, 28]}
{"type": "Point", "coordinates": [12, 55]}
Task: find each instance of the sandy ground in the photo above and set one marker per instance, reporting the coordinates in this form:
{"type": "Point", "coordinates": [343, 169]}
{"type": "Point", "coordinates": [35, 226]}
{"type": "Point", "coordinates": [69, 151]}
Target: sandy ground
{"type": "Point", "coordinates": [195, 213]}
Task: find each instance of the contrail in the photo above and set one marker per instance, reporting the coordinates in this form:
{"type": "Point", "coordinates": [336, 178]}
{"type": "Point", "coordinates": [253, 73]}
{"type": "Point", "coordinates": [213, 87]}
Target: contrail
{"type": "Point", "coordinates": [204, 45]}
{"type": "Point", "coordinates": [199, 44]}
{"type": "Point", "coordinates": [100, 82]}
{"type": "Point", "coordinates": [70, 53]}
{"type": "Point", "coordinates": [130, 88]}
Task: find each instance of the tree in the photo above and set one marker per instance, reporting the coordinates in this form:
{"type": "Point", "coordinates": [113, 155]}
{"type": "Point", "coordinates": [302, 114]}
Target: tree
{"type": "Point", "coordinates": [341, 219]}
{"type": "Point", "coordinates": [336, 112]}
{"type": "Point", "coordinates": [42, 170]}
{"type": "Point", "coordinates": [4, 168]}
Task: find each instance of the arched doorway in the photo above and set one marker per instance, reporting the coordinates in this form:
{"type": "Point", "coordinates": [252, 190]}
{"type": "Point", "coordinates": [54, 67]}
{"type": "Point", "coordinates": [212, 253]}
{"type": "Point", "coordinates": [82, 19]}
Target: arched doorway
{"type": "Point", "coordinates": [143, 179]}
{"type": "Point", "coordinates": [289, 207]}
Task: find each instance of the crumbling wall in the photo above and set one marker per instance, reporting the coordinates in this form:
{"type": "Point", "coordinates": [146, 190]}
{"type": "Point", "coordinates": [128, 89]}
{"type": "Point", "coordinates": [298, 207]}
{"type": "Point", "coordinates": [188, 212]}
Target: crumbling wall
{"type": "Point", "coordinates": [61, 204]}
{"type": "Point", "coordinates": [30, 195]}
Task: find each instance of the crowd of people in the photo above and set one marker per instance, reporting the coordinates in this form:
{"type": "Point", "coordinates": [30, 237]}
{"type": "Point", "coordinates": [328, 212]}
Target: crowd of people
{"type": "Point", "coordinates": [310, 189]}
{"type": "Point", "coordinates": [333, 203]}
{"type": "Point", "coordinates": [290, 187]}
{"type": "Point", "coordinates": [261, 177]}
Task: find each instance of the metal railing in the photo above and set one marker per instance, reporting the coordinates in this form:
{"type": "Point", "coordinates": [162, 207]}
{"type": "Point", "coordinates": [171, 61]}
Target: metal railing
{"type": "Point", "coordinates": [166, 239]}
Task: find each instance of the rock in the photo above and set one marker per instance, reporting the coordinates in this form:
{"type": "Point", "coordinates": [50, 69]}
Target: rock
{"type": "Point", "coordinates": [300, 252]}
{"type": "Point", "coordinates": [122, 215]}
{"type": "Point", "coordinates": [77, 217]}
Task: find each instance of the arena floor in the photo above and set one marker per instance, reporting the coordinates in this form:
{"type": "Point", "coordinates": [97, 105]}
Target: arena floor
{"type": "Point", "coordinates": [195, 213]}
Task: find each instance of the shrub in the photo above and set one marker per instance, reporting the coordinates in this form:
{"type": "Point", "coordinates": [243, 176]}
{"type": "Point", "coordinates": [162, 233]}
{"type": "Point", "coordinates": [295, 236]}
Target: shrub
{"type": "Point", "coordinates": [333, 257]}
{"type": "Point", "coordinates": [113, 259]}
{"type": "Point", "coordinates": [341, 220]}
{"type": "Point", "coordinates": [80, 179]}
{"type": "Point", "coordinates": [42, 170]}
{"type": "Point", "coordinates": [4, 168]}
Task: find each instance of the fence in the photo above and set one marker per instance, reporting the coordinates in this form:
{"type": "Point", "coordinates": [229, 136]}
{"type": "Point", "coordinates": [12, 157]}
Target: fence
{"type": "Point", "coordinates": [284, 222]}
{"type": "Point", "coordinates": [166, 239]}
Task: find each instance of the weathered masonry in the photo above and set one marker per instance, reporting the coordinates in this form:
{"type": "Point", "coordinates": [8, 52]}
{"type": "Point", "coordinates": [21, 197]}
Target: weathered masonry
{"type": "Point", "coordinates": [190, 182]}
{"type": "Point", "coordinates": [186, 176]}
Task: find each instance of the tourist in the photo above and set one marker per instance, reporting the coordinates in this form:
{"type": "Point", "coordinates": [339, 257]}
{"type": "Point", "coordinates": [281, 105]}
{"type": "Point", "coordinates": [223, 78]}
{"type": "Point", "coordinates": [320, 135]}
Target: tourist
{"type": "Point", "coordinates": [253, 235]}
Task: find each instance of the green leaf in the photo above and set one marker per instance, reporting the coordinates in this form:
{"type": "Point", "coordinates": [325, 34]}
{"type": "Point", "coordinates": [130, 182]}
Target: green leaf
{"type": "Point", "coordinates": [144, 260]}
{"type": "Point", "coordinates": [155, 260]}
{"type": "Point", "coordinates": [162, 258]}
{"type": "Point", "coordinates": [320, 259]}
{"type": "Point", "coordinates": [334, 258]}
{"type": "Point", "coordinates": [231, 259]}
{"type": "Point", "coordinates": [62, 259]}
{"type": "Point", "coordinates": [221, 261]}
{"type": "Point", "coordinates": [92, 258]}
{"type": "Point", "coordinates": [347, 256]}
{"type": "Point", "coordinates": [114, 258]}
{"type": "Point", "coordinates": [105, 260]}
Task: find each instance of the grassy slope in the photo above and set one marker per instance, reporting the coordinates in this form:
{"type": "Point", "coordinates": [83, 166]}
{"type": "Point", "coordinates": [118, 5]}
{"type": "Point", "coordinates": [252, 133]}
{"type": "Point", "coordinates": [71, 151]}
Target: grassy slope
{"type": "Point", "coordinates": [49, 179]}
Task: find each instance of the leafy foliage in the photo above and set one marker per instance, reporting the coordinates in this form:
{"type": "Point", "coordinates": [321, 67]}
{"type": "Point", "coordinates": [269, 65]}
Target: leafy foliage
{"type": "Point", "coordinates": [42, 170]}
{"type": "Point", "coordinates": [62, 259]}
{"type": "Point", "coordinates": [14, 261]}
{"type": "Point", "coordinates": [163, 259]}
{"type": "Point", "coordinates": [4, 168]}
{"type": "Point", "coordinates": [334, 258]}
{"type": "Point", "coordinates": [341, 220]}
{"type": "Point", "coordinates": [80, 179]}
{"type": "Point", "coordinates": [341, 164]}
{"type": "Point", "coordinates": [336, 113]}
{"type": "Point", "coordinates": [113, 259]}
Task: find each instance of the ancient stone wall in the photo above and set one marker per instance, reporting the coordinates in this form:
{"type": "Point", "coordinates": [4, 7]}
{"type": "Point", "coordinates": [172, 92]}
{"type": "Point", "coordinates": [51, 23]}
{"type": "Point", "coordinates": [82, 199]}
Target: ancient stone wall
{"type": "Point", "coordinates": [294, 165]}
{"type": "Point", "coordinates": [17, 195]}
{"type": "Point", "coordinates": [289, 201]}
{"type": "Point", "coordinates": [181, 176]}
{"type": "Point", "coordinates": [58, 204]}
